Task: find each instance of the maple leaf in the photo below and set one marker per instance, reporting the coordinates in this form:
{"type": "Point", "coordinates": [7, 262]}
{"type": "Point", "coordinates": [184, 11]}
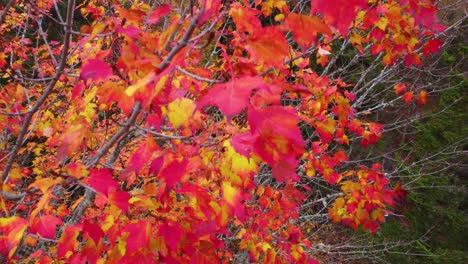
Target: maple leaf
{"type": "Point", "coordinates": [45, 184]}
{"type": "Point", "coordinates": [108, 93]}
{"type": "Point", "coordinates": [211, 9]}
{"type": "Point", "coordinates": [68, 242]}
{"type": "Point", "coordinates": [233, 96]}
{"type": "Point", "coordinates": [158, 13]}
{"type": "Point", "coordinates": [76, 170]}
{"type": "Point", "coordinates": [2, 60]}
{"type": "Point", "coordinates": [371, 225]}
{"type": "Point", "coordinates": [233, 197]}
{"type": "Point", "coordinates": [89, 252]}
{"type": "Point", "coordinates": [412, 59]}
{"type": "Point", "coordinates": [12, 230]}
{"type": "Point", "coordinates": [72, 138]}
{"type": "Point", "coordinates": [102, 181]}
{"type": "Point", "coordinates": [432, 46]}
{"type": "Point", "coordinates": [407, 97]}
{"type": "Point", "coordinates": [180, 111]}
{"type": "Point", "coordinates": [45, 226]}
{"type": "Point", "coordinates": [173, 170]}
{"type": "Point", "coordinates": [269, 47]}
{"type": "Point", "coordinates": [306, 28]}
{"type": "Point", "coordinates": [120, 199]}
{"type": "Point", "coordinates": [245, 18]}
{"type": "Point", "coordinates": [139, 159]}
{"type": "Point", "coordinates": [338, 13]}
{"type": "Point", "coordinates": [139, 235]}
{"type": "Point", "coordinates": [422, 97]}
{"type": "Point", "coordinates": [93, 230]}
{"type": "Point", "coordinates": [399, 88]}
{"type": "Point", "coordinates": [95, 69]}
{"type": "Point", "coordinates": [326, 129]}
{"type": "Point", "coordinates": [140, 84]}
{"type": "Point", "coordinates": [277, 133]}
{"type": "Point", "coordinates": [172, 234]}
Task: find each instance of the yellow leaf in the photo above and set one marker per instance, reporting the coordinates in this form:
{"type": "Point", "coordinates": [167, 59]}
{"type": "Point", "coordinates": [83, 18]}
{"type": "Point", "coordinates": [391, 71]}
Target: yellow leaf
{"type": "Point", "coordinates": [179, 111]}
{"type": "Point", "coordinates": [230, 193]}
{"type": "Point", "coordinates": [45, 184]}
{"type": "Point", "coordinates": [382, 23]}
{"type": "Point", "coordinates": [122, 246]}
{"type": "Point", "coordinates": [108, 223]}
{"type": "Point", "coordinates": [279, 17]}
{"type": "Point", "coordinates": [98, 28]}
{"type": "Point", "coordinates": [238, 162]}
{"type": "Point", "coordinates": [140, 84]}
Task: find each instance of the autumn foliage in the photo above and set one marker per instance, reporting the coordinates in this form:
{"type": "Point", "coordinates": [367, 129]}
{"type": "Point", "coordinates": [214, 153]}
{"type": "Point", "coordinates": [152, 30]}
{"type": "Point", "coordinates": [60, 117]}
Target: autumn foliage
{"type": "Point", "coordinates": [140, 132]}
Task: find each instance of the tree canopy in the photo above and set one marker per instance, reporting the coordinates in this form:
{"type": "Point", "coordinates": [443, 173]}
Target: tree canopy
{"type": "Point", "coordinates": [140, 131]}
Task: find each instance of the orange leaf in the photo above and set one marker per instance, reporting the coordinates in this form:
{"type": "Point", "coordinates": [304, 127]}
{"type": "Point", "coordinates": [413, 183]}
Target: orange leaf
{"type": "Point", "coordinates": [11, 230]}
{"type": "Point", "coordinates": [269, 47]}
{"type": "Point", "coordinates": [399, 88]}
{"type": "Point", "coordinates": [306, 28]}
{"type": "Point", "coordinates": [422, 97]}
{"type": "Point", "coordinates": [120, 199]}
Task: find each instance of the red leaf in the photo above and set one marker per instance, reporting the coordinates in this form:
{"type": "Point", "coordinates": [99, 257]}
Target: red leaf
{"type": "Point", "coordinates": [371, 225]}
{"type": "Point", "coordinates": [340, 156]}
{"type": "Point", "coordinates": [233, 96]}
{"type": "Point", "coordinates": [432, 46]}
{"type": "Point", "coordinates": [95, 69]}
{"type": "Point", "coordinates": [68, 242]}
{"type": "Point", "coordinates": [233, 197]}
{"type": "Point", "coordinates": [412, 59]}
{"type": "Point", "coordinates": [350, 96]}
{"type": "Point", "coordinates": [102, 181]}
{"type": "Point", "coordinates": [94, 231]}
{"type": "Point", "coordinates": [408, 96]}
{"type": "Point", "coordinates": [141, 156]}
{"type": "Point", "coordinates": [400, 193]}
{"type": "Point", "coordinates": [285, 170]}
{"type": "Point", "coordinates": [89, 253]}
{"type": "Point", "coordinates": [242, 143]}
{"type": "Point", "coordinates": [156, 165]}
{"type": "Point", "coordinates": [78, 90]}
{"type": "Point", "coordinates": [159, 12]}
{"type": "Point", "coordinates": [278, 133]}
{"type": "Point", "coordinates": [46, 226]}
{"type": "Point", "coordinates": [139, 236]}
{"type": "Point", "coordinates": [399, 88]}
{"type": "Point", "coordinates": [173, 171]}
{"type": "Point", "coordinates": [245, 19]}
{"type": "Point", "coordinates": [120, 199]}
{"type": "Point", "coordinates": [211, 8]}
{"type": "Point", "coordinates": [338, 13]}
{"type": "Point", "coordinates": [172, 233]}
